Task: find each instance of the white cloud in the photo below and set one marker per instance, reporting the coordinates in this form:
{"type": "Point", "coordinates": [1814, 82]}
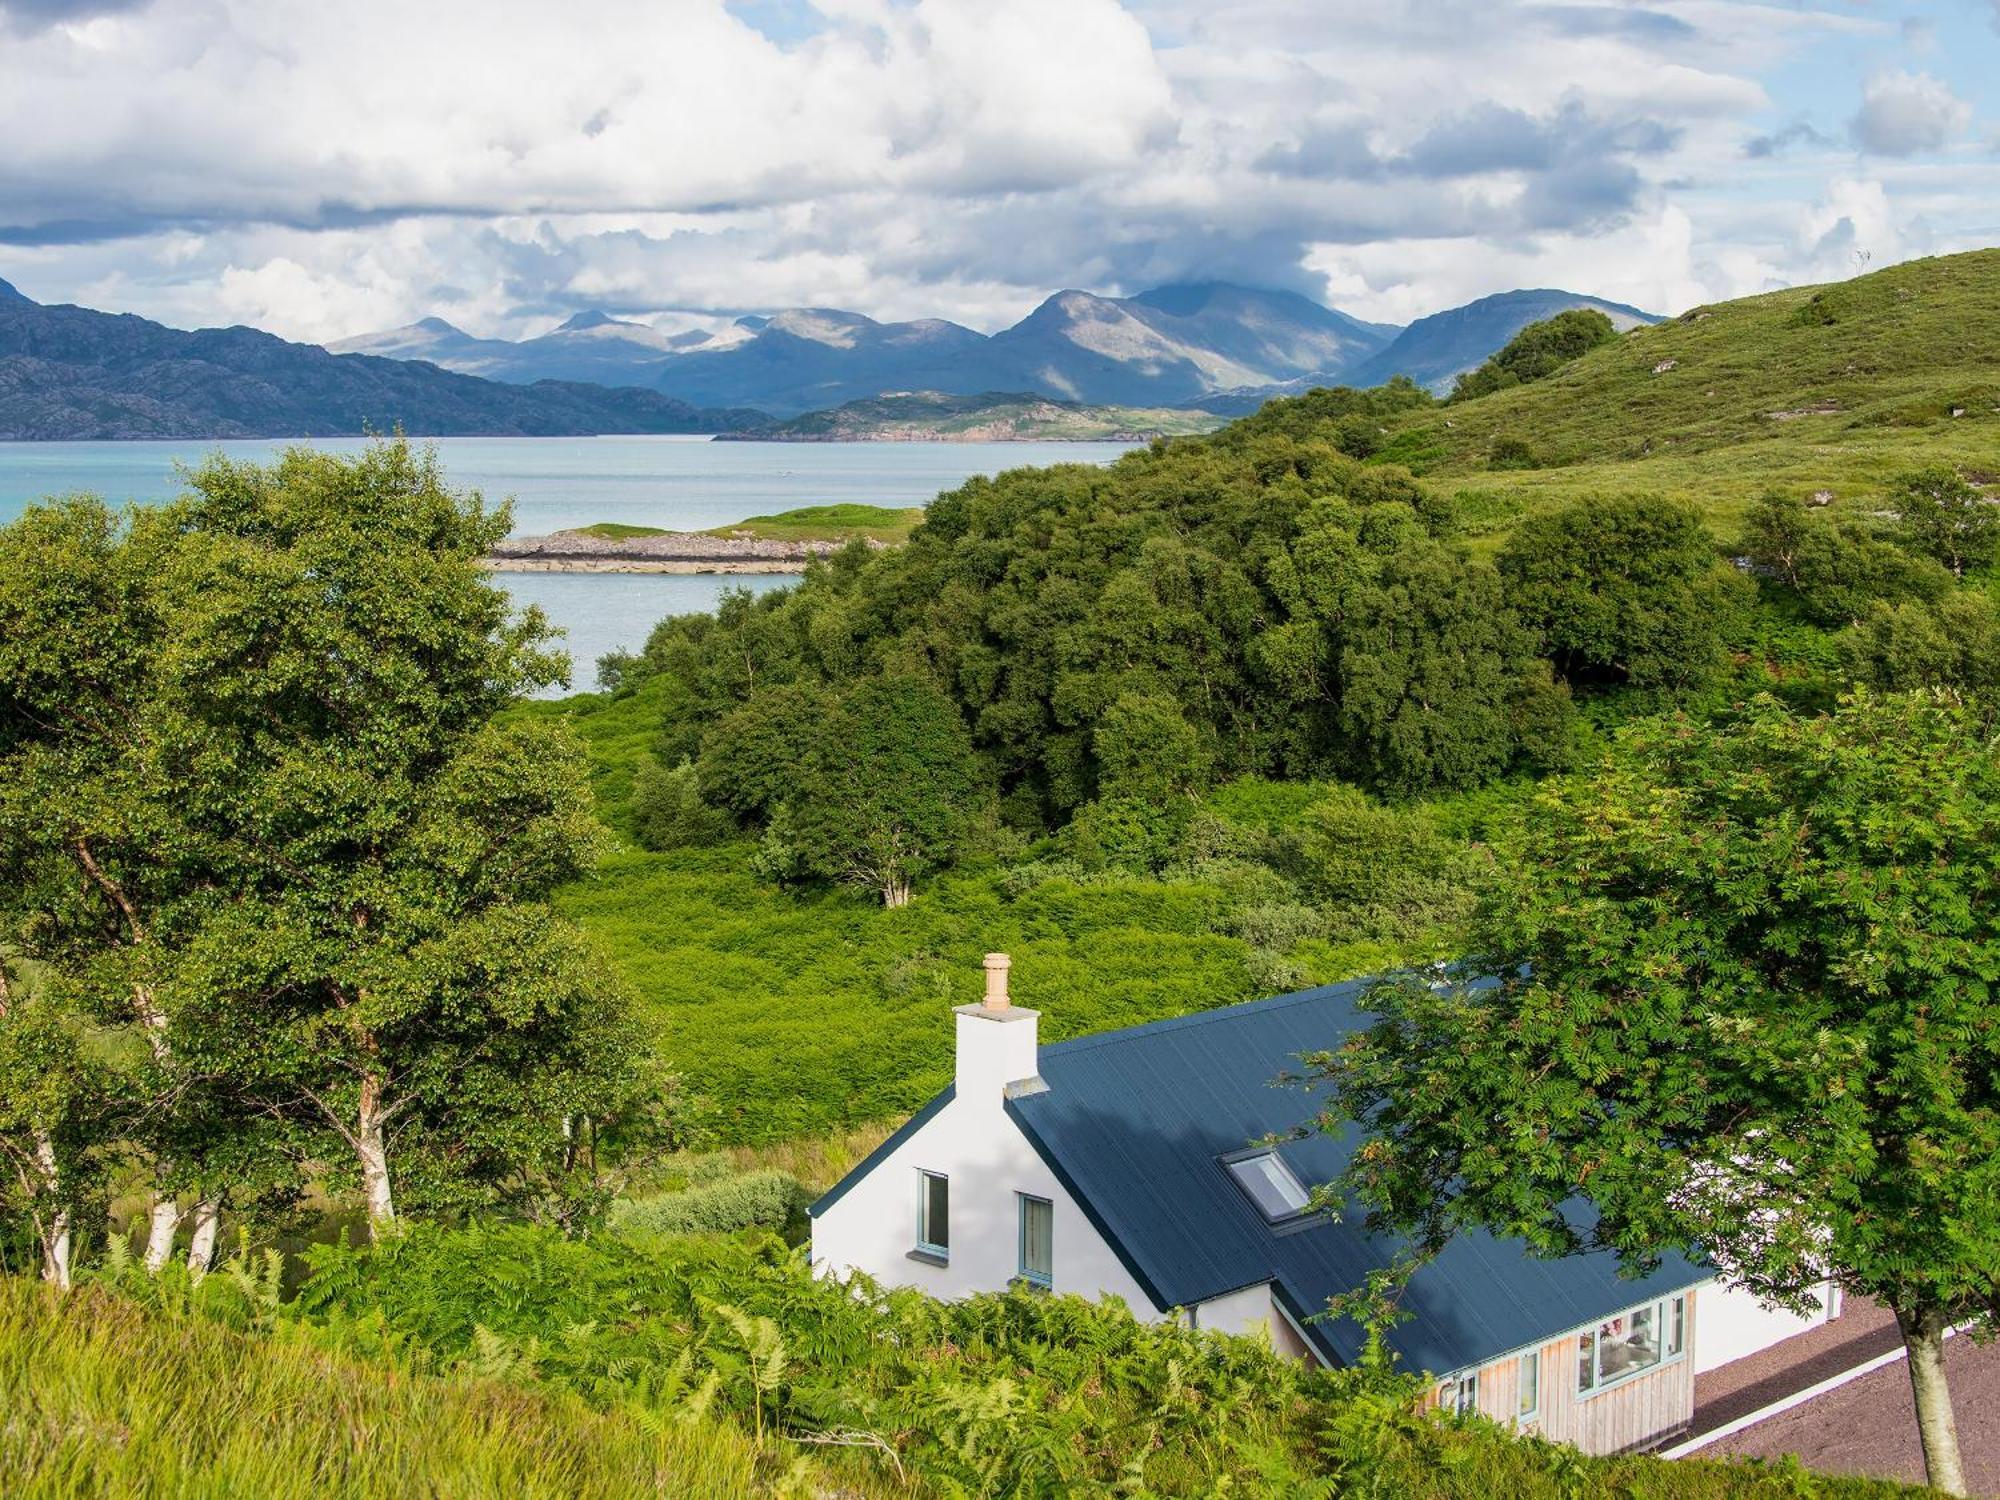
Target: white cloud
{"type": "Point", "coordinates": [324, 170]}
{"type": "Point", "coordinates": [1904, 113]}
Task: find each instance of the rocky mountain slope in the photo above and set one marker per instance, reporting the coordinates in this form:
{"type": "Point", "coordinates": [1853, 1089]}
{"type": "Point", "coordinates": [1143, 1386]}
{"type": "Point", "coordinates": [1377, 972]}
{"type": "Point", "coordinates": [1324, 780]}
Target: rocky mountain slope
{"type": "Point", "coordinates": [1167, 346]}
{"type": "Point", "coordinates": [1435, 351]}
{"type": "Point", "coordinates": [69, 372]}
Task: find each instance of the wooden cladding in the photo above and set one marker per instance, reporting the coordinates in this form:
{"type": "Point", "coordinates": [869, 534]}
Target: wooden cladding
{"type": "Point", "coordinates": [1638, 1411]}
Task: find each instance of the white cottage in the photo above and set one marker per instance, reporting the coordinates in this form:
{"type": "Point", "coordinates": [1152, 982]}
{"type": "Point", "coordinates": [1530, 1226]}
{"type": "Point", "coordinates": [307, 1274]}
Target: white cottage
{"type": "Point", "coordinates": [1160, 1165]}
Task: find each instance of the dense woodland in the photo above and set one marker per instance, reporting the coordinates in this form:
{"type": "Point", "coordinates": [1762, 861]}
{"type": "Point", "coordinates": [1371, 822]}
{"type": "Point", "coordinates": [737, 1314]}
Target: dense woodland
{"type": "Point", "coordinates": [315, 931]}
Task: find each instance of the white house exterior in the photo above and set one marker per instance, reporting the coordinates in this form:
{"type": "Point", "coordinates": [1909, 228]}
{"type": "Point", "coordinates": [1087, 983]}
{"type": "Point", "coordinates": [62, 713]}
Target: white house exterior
{"type": "Point", "coordinates": [1138, 1164]}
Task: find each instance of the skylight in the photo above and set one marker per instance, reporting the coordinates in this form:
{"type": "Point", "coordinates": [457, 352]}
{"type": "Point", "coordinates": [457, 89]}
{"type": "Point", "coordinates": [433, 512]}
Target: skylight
{"type": "Point", "coordinates": [1270, 1184]}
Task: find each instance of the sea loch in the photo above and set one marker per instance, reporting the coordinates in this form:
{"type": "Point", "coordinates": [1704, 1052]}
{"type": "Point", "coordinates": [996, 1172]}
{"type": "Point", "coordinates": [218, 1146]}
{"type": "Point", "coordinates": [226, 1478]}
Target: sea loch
{"type": "Point", "coordinates": [682, 484]}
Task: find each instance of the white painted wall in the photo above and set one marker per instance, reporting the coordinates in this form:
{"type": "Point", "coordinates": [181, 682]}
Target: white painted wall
{"type": "Point", "coordinates": [873, 1228]}
{"type": "Point", "coordinates": [1252, 1310]}
{"type": "Point", "coordinates": [1733, 1324]}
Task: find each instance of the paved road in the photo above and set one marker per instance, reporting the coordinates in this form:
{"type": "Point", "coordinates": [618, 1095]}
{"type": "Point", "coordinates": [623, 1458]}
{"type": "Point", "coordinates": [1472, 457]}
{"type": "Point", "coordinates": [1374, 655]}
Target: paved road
{"type": "Point", "coordinates": [1869, 1426]}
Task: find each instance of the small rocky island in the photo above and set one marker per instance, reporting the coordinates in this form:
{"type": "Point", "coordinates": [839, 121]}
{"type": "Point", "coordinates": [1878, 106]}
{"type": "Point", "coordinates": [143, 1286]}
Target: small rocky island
{"type": "Point", "coordinates": [783, 543]}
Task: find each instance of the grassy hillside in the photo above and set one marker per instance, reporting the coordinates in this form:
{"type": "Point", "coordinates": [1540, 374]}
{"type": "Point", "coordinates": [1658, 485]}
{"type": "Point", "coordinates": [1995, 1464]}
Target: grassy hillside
{"type": "Point", "coordinates": [828, 523]}
{"type": "Point", "coordinates": [1815, 388]}
{"type": "Point", "coordinates": [105, 1399]}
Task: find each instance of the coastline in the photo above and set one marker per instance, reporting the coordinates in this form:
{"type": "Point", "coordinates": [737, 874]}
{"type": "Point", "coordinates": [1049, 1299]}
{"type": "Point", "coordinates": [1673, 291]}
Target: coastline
{"type": "Point", "coordinates": [642, 564]}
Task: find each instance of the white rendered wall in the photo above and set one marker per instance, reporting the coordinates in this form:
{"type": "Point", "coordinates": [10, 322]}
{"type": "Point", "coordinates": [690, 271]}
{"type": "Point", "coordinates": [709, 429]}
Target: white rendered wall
{"type": "Point", "coordinates": [1251, 1311]}
{"type": "Point", "coordinates": [1733, 1325]}
{"type": "Point", "coordinates": [972, 1141]}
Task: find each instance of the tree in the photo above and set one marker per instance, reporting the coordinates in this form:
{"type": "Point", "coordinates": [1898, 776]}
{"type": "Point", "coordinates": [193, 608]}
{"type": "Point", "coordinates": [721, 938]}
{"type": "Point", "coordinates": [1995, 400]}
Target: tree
{"type": "Point", "coordinates": [1537, 352]}
{"type": "Point", "coordinates": [1433, 683]}
{"type": "Point", "coordinates": [892, 791]}
{"type": "Point", "coordinates": [379, 959]}
{"type": "Point", "coordinates": [100, 864]}
{"type": "Point", "coordinates": [1952, 644]}
{"type": "Point", "coordinates": [1146, 749]}
{"type": "Point", "coordinates": [1941, 516]}
{"type": "Point", "coordinates": [59, 1111]}
{"type": "Point", "coordinates": [1621, 589]}
{"type": "Point", "coordinates": [1837, 569]}
{"type": "Point", "coordinates": [1745, 1005]}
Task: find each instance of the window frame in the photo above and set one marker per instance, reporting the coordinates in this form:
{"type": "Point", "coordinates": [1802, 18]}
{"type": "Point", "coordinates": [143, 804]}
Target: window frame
{"type": "Point", "coordinates": [1043, 1280]}
{"type": "Point", "coordinates": [925, 1245]}
{"type": "Point", "coordinates": [1527, 1360]}
{"type": "Point", "coordinates": [1458, 1395]}
{"type": "Point", "coordinates": [1236, 1159]}
{"type": "Point", "coordinates": [1669, 1315]}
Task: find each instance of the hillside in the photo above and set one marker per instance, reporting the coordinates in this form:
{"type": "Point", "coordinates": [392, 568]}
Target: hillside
{"type": "Point", "coordinates": [993, 416]}
{"type": "Point", "coordinates": [71, 373]}
{"type": "Point", "coordinates": [1813, 389]}
{"type": "Point", "coordinates": [1435, 350]}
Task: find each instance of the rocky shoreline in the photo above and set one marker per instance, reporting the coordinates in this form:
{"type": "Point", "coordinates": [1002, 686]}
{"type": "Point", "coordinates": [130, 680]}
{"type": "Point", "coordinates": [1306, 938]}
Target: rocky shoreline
{"type": "Point", "coordinates": [668, 552]}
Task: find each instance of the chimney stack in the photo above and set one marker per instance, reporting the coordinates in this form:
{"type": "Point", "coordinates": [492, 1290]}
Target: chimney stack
{"type": "Point", "coordinates": [997, 965]}
{"type": "Point", "coordinates": [997, 1053]}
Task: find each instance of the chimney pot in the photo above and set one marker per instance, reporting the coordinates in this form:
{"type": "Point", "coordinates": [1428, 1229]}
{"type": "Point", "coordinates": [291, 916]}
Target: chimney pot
{"type": "Point", "coordinates": [997, 965]}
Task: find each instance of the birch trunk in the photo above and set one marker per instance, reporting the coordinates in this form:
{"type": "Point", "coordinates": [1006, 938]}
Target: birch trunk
{"type": "Point", "coordinates": [1923, 1336]}
{"type": "Point", "coordinates": [165, 1219]}
{"type": "Point", "coordinates": [201, 1243]}
{"type": "Point", "coordinates": [55, 1227]}
{"type": "Point", "coordinates": [372, 1149]}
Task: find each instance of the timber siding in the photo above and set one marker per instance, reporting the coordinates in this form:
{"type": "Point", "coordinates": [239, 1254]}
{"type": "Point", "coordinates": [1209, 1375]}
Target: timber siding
{"type": "Point", "coordinates": [1641, 1411]}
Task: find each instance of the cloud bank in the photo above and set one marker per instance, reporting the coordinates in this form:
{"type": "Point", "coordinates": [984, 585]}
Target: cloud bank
{"type": "Point", "coordinates": [326, 170]}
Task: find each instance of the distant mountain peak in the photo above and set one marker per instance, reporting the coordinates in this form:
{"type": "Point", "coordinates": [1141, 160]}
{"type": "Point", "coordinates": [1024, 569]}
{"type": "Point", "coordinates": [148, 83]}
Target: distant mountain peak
{"type": "Point", "coordinates": [438, 325]}
{"type": "Point", "coordinates": [10, 293]}
{"type": "Point", "coordinates": [583, 321]}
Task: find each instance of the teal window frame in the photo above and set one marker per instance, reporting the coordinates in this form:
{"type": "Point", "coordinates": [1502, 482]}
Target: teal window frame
{"type": "Point", "coordinates": [1045, 1277]}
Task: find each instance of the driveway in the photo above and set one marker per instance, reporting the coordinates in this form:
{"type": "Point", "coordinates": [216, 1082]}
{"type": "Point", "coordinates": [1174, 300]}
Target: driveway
{"type": "Point", "coordinates": [1869, 1425]}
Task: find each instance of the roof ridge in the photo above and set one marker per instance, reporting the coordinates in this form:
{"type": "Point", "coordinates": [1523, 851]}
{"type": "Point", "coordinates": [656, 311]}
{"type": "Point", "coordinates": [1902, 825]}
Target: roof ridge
{"type": "Point", "coordinates": [1218, 1013]}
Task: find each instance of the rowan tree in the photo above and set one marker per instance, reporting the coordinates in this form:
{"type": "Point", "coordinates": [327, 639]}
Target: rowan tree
{"type": "Point", "coordinates": [1742, 999]}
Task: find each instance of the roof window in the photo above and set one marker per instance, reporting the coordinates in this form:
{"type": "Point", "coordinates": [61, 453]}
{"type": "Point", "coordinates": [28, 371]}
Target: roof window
{"type": "Point", "coordinates": [1278, 1194]}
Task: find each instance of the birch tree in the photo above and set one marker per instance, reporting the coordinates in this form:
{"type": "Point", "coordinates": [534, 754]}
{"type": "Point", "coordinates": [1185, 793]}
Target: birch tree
{"type": "Point", "coordinates": [1747, 1008]}
{"type": "Point", "coordinates": [386, 968]}
{"type": "Point", "coordinates": [91, 843]}
{"type": "Point", "coordinates": [57, 1111]}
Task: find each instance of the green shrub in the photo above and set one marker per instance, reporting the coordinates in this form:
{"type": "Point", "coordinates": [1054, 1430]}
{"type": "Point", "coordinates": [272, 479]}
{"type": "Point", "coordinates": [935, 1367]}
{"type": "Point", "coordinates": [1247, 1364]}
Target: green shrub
{"type": "Point", "coordinates": [755, 1200]}
{"type": "Point", "coordinates": [1537, 352]}
{"type": "Point", "coordinates": [668, 811]}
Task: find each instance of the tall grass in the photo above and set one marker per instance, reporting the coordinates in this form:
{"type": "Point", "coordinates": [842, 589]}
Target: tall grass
{"type": "Point", "coordinates": [100, 1398]}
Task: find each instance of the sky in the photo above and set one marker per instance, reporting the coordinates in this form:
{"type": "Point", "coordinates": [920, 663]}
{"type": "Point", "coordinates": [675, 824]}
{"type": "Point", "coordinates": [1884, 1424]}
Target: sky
{"type": "Point", "coordinates": [326, 170]}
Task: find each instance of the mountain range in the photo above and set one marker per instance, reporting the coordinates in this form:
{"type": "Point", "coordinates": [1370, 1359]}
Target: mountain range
{"type": "Point", "coordinates": [1168, 346]}
{"type": "Point", "coordinates": [69, 372]}
{"type": "Point", "coordinates": [1211, 345]}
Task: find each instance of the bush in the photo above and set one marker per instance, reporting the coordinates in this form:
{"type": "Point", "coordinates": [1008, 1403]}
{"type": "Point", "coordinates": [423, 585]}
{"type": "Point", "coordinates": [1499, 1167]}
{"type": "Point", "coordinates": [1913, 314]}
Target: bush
{"type": "Point", "coordinates": [1538, 351]}
{"type": "Point", "coordinates": [1622, 590]}
{"type": "Point", "coordinates": [756, 1200]}
{"type": "Point", "coordinates": [668, 810]}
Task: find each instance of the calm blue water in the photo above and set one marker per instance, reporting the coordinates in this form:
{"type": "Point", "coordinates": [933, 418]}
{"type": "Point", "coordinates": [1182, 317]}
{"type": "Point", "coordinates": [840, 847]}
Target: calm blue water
{"type": "Point", "coordinates": [683, 484]}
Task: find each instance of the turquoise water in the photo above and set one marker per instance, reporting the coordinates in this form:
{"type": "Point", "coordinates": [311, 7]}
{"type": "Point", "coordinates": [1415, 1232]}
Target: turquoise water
{"type": "Point", "coordinates": [682, 484]}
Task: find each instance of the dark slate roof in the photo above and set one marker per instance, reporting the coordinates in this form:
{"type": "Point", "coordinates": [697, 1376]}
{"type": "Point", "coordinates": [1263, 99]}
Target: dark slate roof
{"type": "Point", "coordinates": [1134, 1121]}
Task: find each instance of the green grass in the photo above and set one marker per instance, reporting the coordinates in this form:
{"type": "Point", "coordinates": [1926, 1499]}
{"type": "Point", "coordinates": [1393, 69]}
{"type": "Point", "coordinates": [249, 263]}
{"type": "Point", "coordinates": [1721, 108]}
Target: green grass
{"type": "Point", "coordinates": [829, 523]}
{"type": "Point", "coordinates": [100, 1398]}
{"type": "Point", "coordinates": [1873, 367]}
{"type": "Point", "coordinates": [619, 531]}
